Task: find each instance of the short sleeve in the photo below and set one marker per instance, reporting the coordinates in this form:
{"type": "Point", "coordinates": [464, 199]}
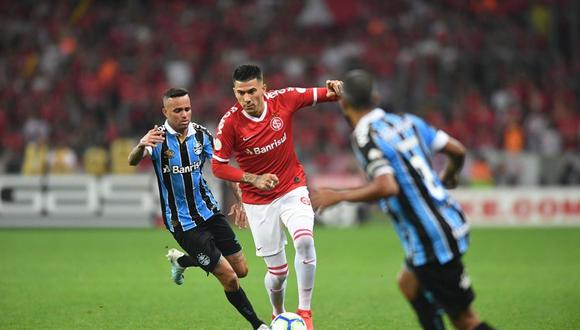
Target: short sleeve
{"type": "Point", "coordinates": [148, 151]}
{"type": "Point", "coordinates": [370, 155]}
{"type": "Point", "coordinates": [434, 138]}
{"type": "Point", "coordinates": [223, 143]}
{"type": "Point", "coordinates": [153, 152]}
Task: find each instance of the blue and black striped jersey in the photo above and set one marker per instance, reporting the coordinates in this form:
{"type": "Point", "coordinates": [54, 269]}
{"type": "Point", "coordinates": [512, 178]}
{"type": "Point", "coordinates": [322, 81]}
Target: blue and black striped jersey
{"type": "Point", "coordinates": [429, 223]}
{"type": "Point", "coordinates": [186, 200]}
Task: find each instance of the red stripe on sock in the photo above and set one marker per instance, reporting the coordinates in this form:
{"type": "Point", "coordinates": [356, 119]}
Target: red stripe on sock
{"type": "Point", "coordinates": [279, 273]}
{"type": "Point", "coordinates": [300, 230]}
{"type": "Point", "coordinates": [278, 267]}
{"type": "Point", "coordinates": [303, 234]}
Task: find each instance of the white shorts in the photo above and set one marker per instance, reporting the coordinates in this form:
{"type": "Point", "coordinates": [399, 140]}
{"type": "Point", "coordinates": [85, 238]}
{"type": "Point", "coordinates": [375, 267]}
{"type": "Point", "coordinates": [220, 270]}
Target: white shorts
{"type": "Point", "coordinates": [292, 210]}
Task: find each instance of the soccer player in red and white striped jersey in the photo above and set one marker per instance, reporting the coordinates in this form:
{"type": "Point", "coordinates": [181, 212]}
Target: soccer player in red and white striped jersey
{"type": "Point", "coordinates": [257, 131]}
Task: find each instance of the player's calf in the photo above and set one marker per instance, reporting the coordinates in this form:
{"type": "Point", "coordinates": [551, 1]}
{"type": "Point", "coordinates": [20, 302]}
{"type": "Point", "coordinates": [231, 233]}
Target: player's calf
{"type": "Point", "coordinates": [430, 317]}
{"type": "Point", "coordinates": [275, 282]}
{"type": "Point", "coordinates": [305, 251]}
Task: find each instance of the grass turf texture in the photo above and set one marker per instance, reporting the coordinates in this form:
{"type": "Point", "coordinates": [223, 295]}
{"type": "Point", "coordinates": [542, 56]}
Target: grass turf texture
{"type": "Point", "coordinates": [525, 278]}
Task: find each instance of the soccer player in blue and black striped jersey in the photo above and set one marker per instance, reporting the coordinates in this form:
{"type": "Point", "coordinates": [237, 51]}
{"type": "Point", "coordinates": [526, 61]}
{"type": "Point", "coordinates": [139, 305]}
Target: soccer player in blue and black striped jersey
{"type": "Point", "coordinates": [395, 151]}
{"type": "Point", "coordinates": [178, 150]}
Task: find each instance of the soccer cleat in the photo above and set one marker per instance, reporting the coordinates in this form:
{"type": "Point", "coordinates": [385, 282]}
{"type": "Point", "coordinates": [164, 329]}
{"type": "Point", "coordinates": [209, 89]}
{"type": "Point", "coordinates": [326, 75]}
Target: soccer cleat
{"type": "Point", "coordinates": [306, 315]}
{"type": "Point", "coordinates": [176, 269]}
{"type": "Point", "coordinates": [264, 327]}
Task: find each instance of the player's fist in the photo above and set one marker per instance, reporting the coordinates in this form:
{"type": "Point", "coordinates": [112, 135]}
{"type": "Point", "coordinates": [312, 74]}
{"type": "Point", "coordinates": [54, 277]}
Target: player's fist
{"type": "Point", "coordinates": [323, 198]}
{"type": "Point", "coordinates": [154, 136]}
{"type": "Point", "coordinates": [450, 180]}
{"type": "Point", "coordinates": [266, 181]}
{"type": "Point", "coordinates": [333, 88]}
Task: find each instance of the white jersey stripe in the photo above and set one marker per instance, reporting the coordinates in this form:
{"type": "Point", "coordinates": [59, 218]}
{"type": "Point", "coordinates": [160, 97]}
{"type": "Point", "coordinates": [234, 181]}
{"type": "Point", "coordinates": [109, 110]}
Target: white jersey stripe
{"type": "Point", "coordinates": [220, 159]}
{"type": "Point", "coordinates": [315, 92]}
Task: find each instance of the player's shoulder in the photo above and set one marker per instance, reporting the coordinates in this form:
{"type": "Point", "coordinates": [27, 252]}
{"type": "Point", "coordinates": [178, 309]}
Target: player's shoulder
{"type": "Point", "coordinates": [227, 117]}
{"type": "Point", "coordinates": [413, 118]}
{"type": "Point", "coordinates": [200, 128]}
{"type": "Point", "coordinates": [232, 112]}
{"type": "Point", "coordinates": [365, 124]}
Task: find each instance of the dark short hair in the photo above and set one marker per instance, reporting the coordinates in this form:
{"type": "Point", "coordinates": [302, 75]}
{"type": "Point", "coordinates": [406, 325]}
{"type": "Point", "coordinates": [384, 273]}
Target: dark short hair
{"type": "Point", "coordinates": [247, 72]}
{"type": "Point", "coordinates": [174, 92]}
{"type": "Point", "coordinates": [358, 89]}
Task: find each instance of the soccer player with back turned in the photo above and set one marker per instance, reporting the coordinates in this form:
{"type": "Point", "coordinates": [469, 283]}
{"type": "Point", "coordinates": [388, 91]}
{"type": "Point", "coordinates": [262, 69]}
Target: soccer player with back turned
{"type": "Point", "coordinates": [178, 150]}
{"type": "Point", "coordinates": [257, 131]}
{"type": "Point", "coordinates": [395, 151]}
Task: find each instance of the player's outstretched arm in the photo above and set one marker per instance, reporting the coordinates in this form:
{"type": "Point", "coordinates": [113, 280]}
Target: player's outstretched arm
{"type": "Point", "coordinates": [382, 186]}
{"type": "Point", "coordinates": [455, 152]}
{"type": "Point", "coordinates": [154, 136]}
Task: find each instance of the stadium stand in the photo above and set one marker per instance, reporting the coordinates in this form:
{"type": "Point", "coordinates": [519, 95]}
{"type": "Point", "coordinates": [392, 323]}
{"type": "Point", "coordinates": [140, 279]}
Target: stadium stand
{"type": "Point", "coordinates": [502, 76]}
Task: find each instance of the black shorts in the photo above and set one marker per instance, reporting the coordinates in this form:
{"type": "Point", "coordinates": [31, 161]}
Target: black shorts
{"type": "Point", "coordinates": [207, 242]}
{"type": "Point", "coordinates": [449, 284]}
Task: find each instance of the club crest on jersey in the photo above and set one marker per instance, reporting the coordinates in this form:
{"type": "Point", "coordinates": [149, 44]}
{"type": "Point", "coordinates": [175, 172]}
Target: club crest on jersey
{"type": "Point", "coordinates": [168, 154]}
{"type": "Point", "coordinates": [276, 123]}
{"type": "Point", "coordinates": [305, 200]}
{"type": "Point", "coordinates": [197, 149]}
{"type": "Point", "coordinates": [203, 259]}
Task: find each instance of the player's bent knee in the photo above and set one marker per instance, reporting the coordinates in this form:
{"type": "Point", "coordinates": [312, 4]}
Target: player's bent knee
{"type": "Point", "coordinates": [276, 282]}
{"type": "Point", "coordinates": [242, 270]}
{"type": "Point", "coordinates": [402, 280]}
{"type": "Point", "coordinates": [408, 285]}
{"type": "Point", "coordinates": [305, 246]}
{"type": "Point", "coordinates": [238, 263]}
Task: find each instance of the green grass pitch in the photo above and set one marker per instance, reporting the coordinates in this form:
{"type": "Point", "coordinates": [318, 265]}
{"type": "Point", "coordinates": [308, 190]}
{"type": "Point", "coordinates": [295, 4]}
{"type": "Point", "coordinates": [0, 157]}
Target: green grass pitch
{"type": "Point", "coordinates": [526, 278]}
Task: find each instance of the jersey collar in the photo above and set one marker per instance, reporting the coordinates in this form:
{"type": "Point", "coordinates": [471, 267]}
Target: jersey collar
{"type": "Point", "coordinates": [373, 115]}
{"type": "Point", "coordinates": [190, 129]}
{"type": "Point", "coordinates": [262, 116]}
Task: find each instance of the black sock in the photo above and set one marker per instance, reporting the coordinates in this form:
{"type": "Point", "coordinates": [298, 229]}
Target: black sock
{"type": "Point", "coordinates": [187, 261]}
{"type": "Point", "coordinates": [427, 312]}
{"type": "Point", "coordinates": [483, 326]}
{"type": "Point", "coordinates": [244, 307]}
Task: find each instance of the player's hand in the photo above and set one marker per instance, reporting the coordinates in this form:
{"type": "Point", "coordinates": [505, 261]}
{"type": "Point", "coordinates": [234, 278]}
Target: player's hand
{"type": "Point", "coordinates": [154, 136]}
{"type": "Point", "coordinates": [449, 180]}
{"type": "Point", "coordinates": [323, 198]}
{"type": "Point", "coordinates": [266, 181]}
{"type": "Point", "coordinates": [334, 88]}
{"type": "Point", "coordinates": [239, 214]}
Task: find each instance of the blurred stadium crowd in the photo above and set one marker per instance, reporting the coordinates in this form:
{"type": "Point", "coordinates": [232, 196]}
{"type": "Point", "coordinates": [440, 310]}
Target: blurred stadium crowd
{"type": "Point", "coordinates": [80, 81]}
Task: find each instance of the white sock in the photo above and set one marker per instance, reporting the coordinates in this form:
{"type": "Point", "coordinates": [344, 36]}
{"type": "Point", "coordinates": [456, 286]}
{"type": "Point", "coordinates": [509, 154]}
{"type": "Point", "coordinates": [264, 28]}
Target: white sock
{"type": "Point", "coordinates": [275, 281]}
{"type": "Point", "coordinates": [305, 264]}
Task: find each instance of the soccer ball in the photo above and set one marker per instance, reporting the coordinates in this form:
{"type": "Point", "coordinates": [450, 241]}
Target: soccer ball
{"type": "Point", "coordinates": [288, 321]}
